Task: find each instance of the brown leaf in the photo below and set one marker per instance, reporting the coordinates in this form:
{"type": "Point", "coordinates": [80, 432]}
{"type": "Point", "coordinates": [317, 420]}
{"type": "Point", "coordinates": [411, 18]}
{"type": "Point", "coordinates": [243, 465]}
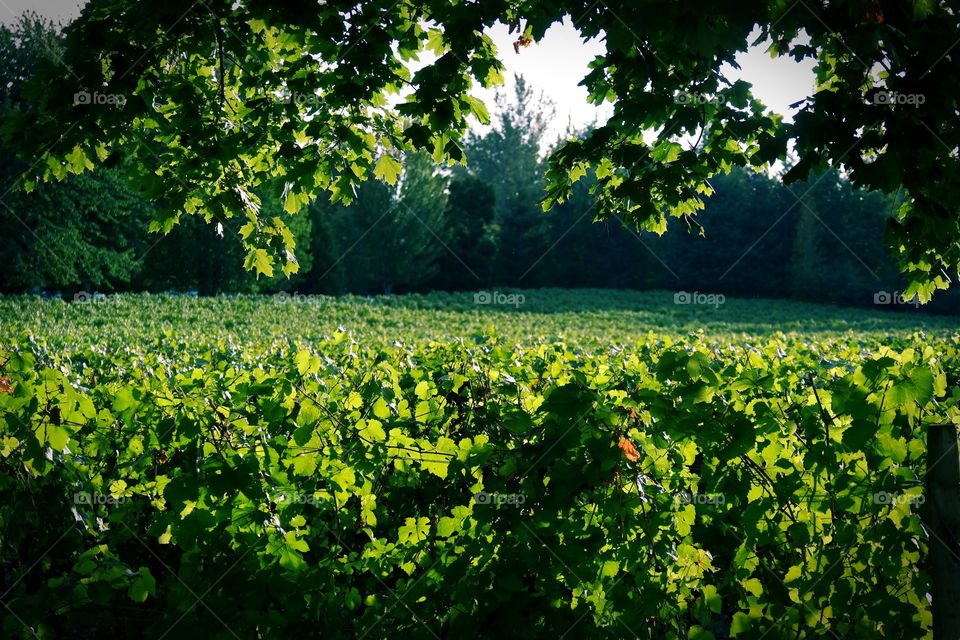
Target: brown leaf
{"type": "Point", "coordinates": [5, 385]}
{"type": "Point", "coordinates": [629, 451]}
{"type": "Point", "coordinates": [522, 41]}
{"type": "Point", "coordinates": [874, 13]}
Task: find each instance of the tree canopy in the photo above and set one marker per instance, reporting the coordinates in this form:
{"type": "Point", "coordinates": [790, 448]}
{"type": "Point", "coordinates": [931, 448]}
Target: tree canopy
{"type": "Point", "coordinates": [209, 103]}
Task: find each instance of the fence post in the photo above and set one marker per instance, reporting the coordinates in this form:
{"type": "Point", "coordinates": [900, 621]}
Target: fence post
{"type": "Point", "coordinates": [943, 496]}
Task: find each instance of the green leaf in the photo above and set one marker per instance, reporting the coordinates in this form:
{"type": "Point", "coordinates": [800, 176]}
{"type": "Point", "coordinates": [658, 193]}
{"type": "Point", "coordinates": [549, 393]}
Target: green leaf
{"type": "Point", "coordinates": [923, 8]}
{"type": "Point", "coordinates": [352, 599]}
{"type": "Point", "coordinates": [387, 169]}
{"type": "Point", "coordinates": [308, 416]}
{"type": "Point", "coordinates": [346, 479]}
{"type": "Point", "coordinates": [423, 390]}
{"type": "Point", "coordinates": [307, 363]}
{"type": "Point", "coordinates": [260, 261]}
{"type": "Point", "coordinates": [478, 109]}
{"type": "Point", "coordinates": [712, 598]}
{"type": "Point", "coordinates": [414, 530]}
{"type": "Point", "coordinates": [742, 623]}
{"type": "Point", "coordinates": [890, 447]}
{"type": "Point", "coordinates": [856, 436]}
{"type": "Point", "coordinates": [447, 526]}
{"type": "Point", "coordinates": [57, 437]}
{"type": "Point", "coordinates": [368, 503]}
{"type": "Point", "coordinates": [436, 460]}
{"type": "Point", "coordinates": [915, 387]}
{"type": "Point", "coordinates": [372, 430]}
{"type": "Point", "coordinates": [142, 586]}
{"type": "Point", "coordinates": [294, 202]}
{"type": "Point", "coordinates": [699, 633]}
{"type": "Point", "coordinates": [305, 463]}
{"type": "Point", "coordinates": [354, 400]}
{"type": "Point", "coordinates": [610, 569]}
{"type": "Point", "coordinates": [753, 586]}
{"type": "Point", "coordinates": [302, 360]}
{"type": "Point", "coordinates": [380, 409]}
{"type": "Point", "coordinates": [666, 152]}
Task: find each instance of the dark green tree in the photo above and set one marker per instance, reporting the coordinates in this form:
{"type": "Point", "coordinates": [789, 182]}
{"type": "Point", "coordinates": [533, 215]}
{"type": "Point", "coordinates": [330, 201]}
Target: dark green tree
{"type": "Point", "coordinates": [746, 240]}
{"type": "Point", "coordinates": [209, 259]}
{"type": "Point", "coordinates": [508, 158]}
{"type": "Point", "coordinates": [839, 255]}
{"type": "Point", "coordinates": [79, 233]}
{"type": "Point", "coordinates": [471, 233]}
{"type": "Point", "coordinates": [389, 238]}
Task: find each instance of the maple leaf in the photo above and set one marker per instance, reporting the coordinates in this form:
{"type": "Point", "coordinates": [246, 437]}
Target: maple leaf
{"type": "Point", "coordinates": [5, 385]}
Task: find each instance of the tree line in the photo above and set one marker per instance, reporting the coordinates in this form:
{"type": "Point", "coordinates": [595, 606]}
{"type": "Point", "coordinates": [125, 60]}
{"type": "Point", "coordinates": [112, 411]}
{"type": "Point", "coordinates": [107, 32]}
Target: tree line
{"type": "Point", "coordinates": [449, 228]}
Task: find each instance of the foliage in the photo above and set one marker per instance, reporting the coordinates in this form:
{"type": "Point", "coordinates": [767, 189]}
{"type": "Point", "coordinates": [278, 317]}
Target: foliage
{"type": "Point", "coordinates": [388, 237]}
{"type": "Point", "coordinates": [209, 102]}
{"type": "Point", "coordinates": [218, 478]}
{"type": "Point", "coordinates": [883, 109]}
{"type": "Point", "coordinates": [592, 318]}
{"type": "Point", "coordinates": [286, 99]}
{"type": "Point", "coordinates": [472, 235]}
{"type": "Point", "coordinates": [81, 232]}
{"type": "Point", "coordinates": [815, 240]}
{"type": "Point", "coordinates": [507, 157]}
{"type": "Point", "coordinates": [209, 259]}
{"type": "Point", "coordinates": [481, 226]}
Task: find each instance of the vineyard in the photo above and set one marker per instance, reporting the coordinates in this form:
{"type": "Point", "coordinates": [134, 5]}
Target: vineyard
{"type": "Point", "coordinates": [594, 464]}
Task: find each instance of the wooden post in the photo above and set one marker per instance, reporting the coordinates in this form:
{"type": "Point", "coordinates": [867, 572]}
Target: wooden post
{"type": "Point", "coordinates": [943, 496]}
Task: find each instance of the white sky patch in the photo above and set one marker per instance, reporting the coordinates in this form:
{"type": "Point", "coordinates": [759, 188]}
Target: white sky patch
{"type": "Point", "coordinates": [554, 66]}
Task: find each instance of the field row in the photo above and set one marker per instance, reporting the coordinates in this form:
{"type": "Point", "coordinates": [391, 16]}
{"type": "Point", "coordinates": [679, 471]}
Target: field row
{"type": "Point", "coordinates": [212, 484]}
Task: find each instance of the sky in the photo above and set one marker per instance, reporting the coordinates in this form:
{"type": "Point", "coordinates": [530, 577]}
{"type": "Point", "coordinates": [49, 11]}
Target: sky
{"type": "Point", "coordinates": [556, 63]}
{"type": "Point", "coordinates": [554, 66]}
{"type": "Point", "coordinates": [56, 10]}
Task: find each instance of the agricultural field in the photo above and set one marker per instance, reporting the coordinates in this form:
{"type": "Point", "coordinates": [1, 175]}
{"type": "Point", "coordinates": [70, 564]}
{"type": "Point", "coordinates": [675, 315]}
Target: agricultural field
{"type": "Point", "coordinates": [543, 463]}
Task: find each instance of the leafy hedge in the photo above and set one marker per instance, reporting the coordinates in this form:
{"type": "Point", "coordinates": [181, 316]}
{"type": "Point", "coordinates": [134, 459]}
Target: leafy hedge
{"type": "Point", "coordinates": [468, 489]}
